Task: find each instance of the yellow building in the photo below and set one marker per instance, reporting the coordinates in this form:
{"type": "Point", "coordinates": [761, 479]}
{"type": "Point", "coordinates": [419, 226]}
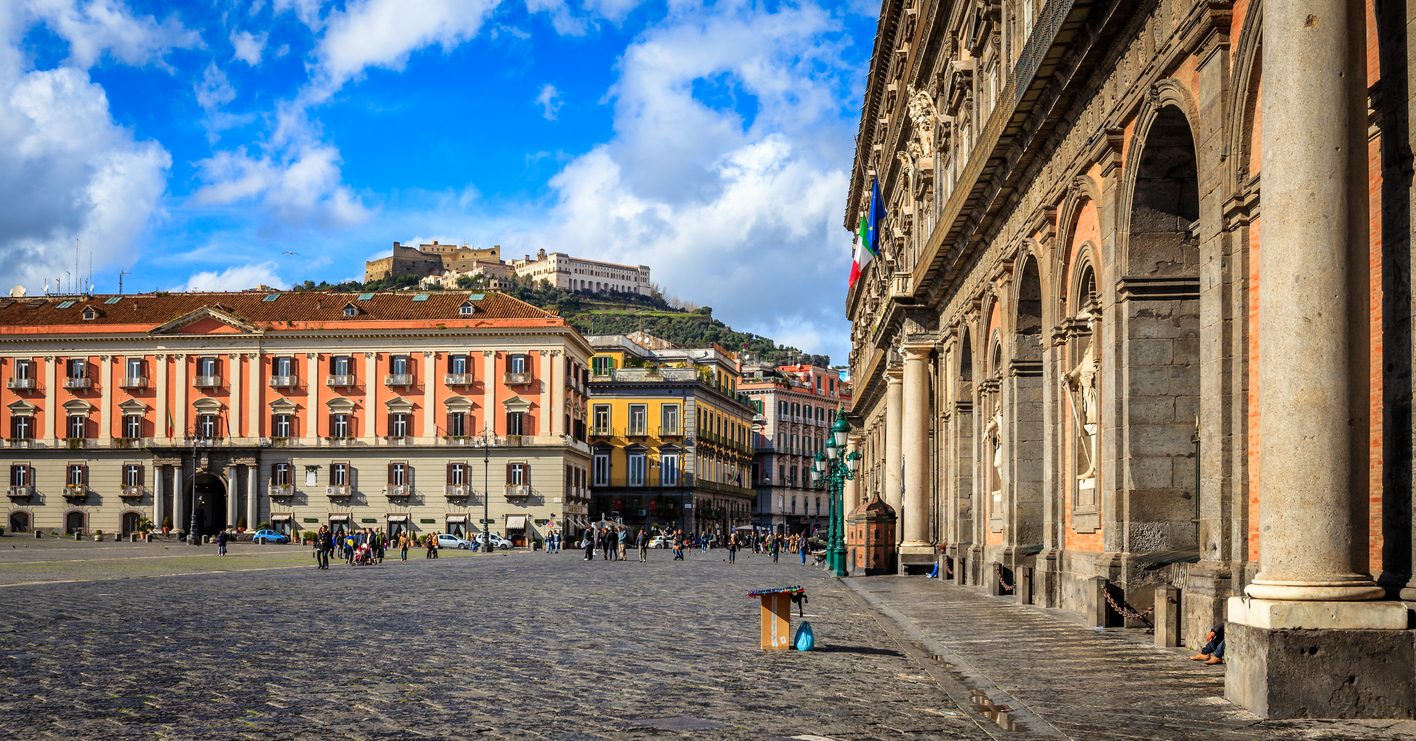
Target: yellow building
{"type": "Point", "coordinates": [670, 436]}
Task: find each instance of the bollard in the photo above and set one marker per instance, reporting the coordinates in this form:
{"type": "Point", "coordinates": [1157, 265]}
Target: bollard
{"type": "Point", "coordinates": [1022, 584]}
{"type": "Point", "coordinates": [1167, 617]}
{"type": "Point", "coordinates": [1097, 609]}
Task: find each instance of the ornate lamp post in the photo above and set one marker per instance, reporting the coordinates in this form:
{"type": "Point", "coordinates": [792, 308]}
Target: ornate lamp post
{"type": "Point", "coordinates": [834, 469]}
{"type": "Point", "coordinates": [486, 488]}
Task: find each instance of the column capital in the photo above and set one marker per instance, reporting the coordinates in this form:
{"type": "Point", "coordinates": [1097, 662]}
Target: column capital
{"type": "Point", "coordinates": [916, 349]}
{"type": "Point", "coordinates": [895, 374]}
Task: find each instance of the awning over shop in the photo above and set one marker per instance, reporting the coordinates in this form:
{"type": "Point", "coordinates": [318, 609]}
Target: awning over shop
{"type": "Point", "coordinates": [457, 519]}
{"type": "Point", "coordinates": [341, 517]}
{"type": "Point", "coordinates": [516, 522]}
{"type": "Point", "coordinates": [281, 518]}
{"type": "Point", "coordinates": [398, 518]}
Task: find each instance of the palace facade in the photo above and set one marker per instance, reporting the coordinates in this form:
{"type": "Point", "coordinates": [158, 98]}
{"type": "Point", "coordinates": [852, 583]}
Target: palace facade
{"type": "Point", "coordinates": [1084, 375]}
{"type": "Point", "coordinates": [416, 411]}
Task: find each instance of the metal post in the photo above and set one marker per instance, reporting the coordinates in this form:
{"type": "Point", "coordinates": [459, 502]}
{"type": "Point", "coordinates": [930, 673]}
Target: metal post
{"type": "Point", "coordinates": [486, 489]}
{"type": "Point", "coordinates": [192, 529]}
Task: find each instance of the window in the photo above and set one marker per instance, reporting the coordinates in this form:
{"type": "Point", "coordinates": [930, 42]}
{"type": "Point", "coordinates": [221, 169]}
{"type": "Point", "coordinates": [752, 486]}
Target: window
{"type": "Point", "coordinates": [283, 366]}
{"type": "Point", "coordinates": [281, 425]}
{"type": "Point", "coordinates": [339, 425]}
{"type": "Point", "coordinates": [518, 474]}
{"type": "Point", "coordinates": [341, 365]}
{"type": "Point", "coordinates": [669, 419]}
{"type": "Point", "coordinates": [21, 428]}
{"type": "Point", "coordinates": [20, 474]}
{"type": "Point", "coordinates": [465, 309]}
{"type": "Point", "coordinates": [132, 475]}
{"type": "Point", "coordinates": [637, 416]}
{"type": "Point", "coordinates": [456, 474]}
{"type": "Point", "coordinates": [398, 425]}
{"type": "Point", "coordinates": [518, 363]}
{"type": "Point", "coordinates": [208, 367]}
{"type": "Point", "coordinates": [515, 422]}
{"type": "Point", "coordinates": [668, 469]}
{"type": "Point", "coordinates": [602, 366]}
{"type": "Point", "coordinates": [350, 312]}
{"type": "Point", "coordinates": [636, 468]}
{"type": "Point", "coordinates": [398, 365]}
{"type": "Point", "coordinates": [312, 475]}
{"type": "Point", "coordinates": [132, 426]}
{"type": "Point", "coordinates": [280, 474]}
{"type": "Point", "coordinates": [76, 368]}
{"type": "Point", "coordinates": [602, 468]}
{"type": "Point", "coordinates": [602, 419]}
{"type": "Point", "coordinates": [206, 426]}
{"type": "Point", "coordinates": [24, 370]}
{"type": "Point", "coordinates": [457, 364]}
{"type": "Point", "coordinates": [457, 424]}
{"type": "Point", "coordinates": [398, 474]}
{"type": "Point", "coordinates": [339, 474]}
{"type": "Point", "coordinates": [793, 504]}
{"type": "Point", "coordinates": [135, 367]}
{"type": "Point", "coordinates": [78, 426]}
{"type": "Point", "coordinates": [76, 474]}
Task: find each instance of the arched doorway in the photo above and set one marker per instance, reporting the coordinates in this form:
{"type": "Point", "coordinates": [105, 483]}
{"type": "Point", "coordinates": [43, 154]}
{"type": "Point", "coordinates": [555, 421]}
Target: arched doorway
{"type": "Point", "coordinates": [209, 492]}
{"type": "Point", "coordinates": [75, 522]}
{"type": "Point", "coordinates": [19, 521]}
{"type": "Point", "coordinates": [129, 523]}
{"type": "Point", "coordinates": [1159, 309]}
{"type": "Point", "coordinates": [964, 506]}
{"type": "Point", "coordinates": [1025, 397]}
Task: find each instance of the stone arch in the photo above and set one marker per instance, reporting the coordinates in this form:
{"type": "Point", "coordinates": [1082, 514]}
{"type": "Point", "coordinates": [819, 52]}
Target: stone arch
{"type": "Point", "coordinates": [960, 523]}
{"type": "Point", "coordinates": [1157, 330]}
{"type": "Point", "coordinates": [20, 521]}
{"type": "Point", "coordinates": [1023, 395]}
{"type": "Point", "coordinates": [129, 520]}
{"type": "Point", "coordinates": [75, 521]}
{"type": "Point", "coordinates": [1245, 83]}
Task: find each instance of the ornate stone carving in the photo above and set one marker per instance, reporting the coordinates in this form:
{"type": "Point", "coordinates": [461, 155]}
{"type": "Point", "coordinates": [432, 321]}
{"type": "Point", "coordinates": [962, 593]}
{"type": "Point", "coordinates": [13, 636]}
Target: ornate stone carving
{"type": "Point", "coordinates": [923, 116]}
{"type": "Point", "coordinates": [1081, 382]}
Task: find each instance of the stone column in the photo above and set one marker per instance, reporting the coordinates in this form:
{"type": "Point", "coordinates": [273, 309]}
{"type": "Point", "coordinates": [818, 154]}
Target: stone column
{"type": "Point", "coordinates": [914, 438]}
{"type": "Point", "coordinates": [253, 508]}
{"type": "Point", "coordinates": [105, 399]}
{"type": "Point", "coordinates": [254, 363]}
{"type": "Point", "coordinates": [894, 386]}
{"type": "Point", "coordinates": [1306, 644]}
{"type": "Point", "coordinates": [233, 505]}
{"type": "Point", "coordinates": [489, 391]}
{"type": "Point", "coordinates": [369, 423]}
{"type": "Point", "coordinates": [430, 385]}
{"type": "Point", "coordinates": [312, 398]}
{"type": "Point", "coordinates": [181, 498]}
{"type": "Point", "coordinates": [179, 399]}
{"type": "Point", "coordinates": [160, 424]}
{"type": "Point", "coordinates": [547, 411]}
{"type": "Point", "coordinates": [51, 392]}
{"type": "Point", "coordinates": [159, 507]}
{"type": "Point", "coordinates": [852, 493]}
{"type": "Point", "coordinates": [558, 407]}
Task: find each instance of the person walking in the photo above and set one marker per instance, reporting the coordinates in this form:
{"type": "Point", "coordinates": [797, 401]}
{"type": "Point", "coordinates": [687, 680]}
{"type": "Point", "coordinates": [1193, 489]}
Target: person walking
{"type": "Point", "coordinates": [221, 543]}
{"type": "Point", "coordinates": [732, 548]}
{"type": "Point", "coordinates": [641, 541]}
{"type": "Point", "coordinates": [587, 541]}
{"type": "Point", "coordinates": [776, 547]}
{"type": "Point", "coordinates": [403, 546]}
{"type": "Point", "coordinates": [802, 548]}
{"type": "Point", "coordinates": [623, 539]}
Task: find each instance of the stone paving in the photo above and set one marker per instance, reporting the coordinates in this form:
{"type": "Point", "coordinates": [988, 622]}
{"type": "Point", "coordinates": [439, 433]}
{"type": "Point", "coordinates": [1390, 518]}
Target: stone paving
{"type": "Point", "coordinates": [1066, 679]}
{"type": "Point", "coordinates": [510, 645]}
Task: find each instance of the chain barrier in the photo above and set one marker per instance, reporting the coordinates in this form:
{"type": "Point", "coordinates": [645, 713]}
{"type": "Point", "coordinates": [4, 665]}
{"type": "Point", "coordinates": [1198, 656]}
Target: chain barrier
{"type": "Point", "coordinates": [998, 570]}
{"type": "Point", "coordinates": [1125, 612]}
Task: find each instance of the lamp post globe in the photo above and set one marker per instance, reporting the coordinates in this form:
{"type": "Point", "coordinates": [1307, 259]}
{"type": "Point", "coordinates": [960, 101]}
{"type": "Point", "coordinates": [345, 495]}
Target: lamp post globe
{"type": "Point", "coordinates": [840, 429]}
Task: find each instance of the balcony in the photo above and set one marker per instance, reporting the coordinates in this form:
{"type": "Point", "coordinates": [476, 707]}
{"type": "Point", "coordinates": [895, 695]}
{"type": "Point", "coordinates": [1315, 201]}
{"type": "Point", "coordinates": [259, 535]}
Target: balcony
{"type": "Point", "coordinates": [76, 443]}
{"type": "Point", "coordinates": [398, 440]}
{"type": "Point", "coordinates": [517, 379]}
{"type": "Point", "coordinates": [340, 380]}
{"type": "Point", "coordinates": [207, 382]}
{"type": "Point", "coordinates": [76, 491]}
{"type": "Point", "coordinates": [282, 441]}
{"type": "Point", "coordinates": [132, 492]}
{"type": "Point", "coordinates": [340, 442]}
{"type": "Point", "coordinates": [20, 442]}
{"type": "Point", "coordinates": [281, 491]}
{"type": "Point", "coordinates": [515, 441]}
{"type": "Point", "coordinates": [339, 491]}
{"type": "Point", "coordinates": [461, 441]}
{"type": "Point", "coordinates": [458, 379]}
{"type": "Point", "coordinates": [514, 491]}
{"type": "Point", "coordinates": [284, 382]}
{"type": "Point", "coordinates": [78, 383]}
{"type": "Point", "coordinates": [131, 442]}
{"type": "Point", "coordinates": [637, 432]}
{"type": "Point", "coordinates": [21, 492]}
{"type": "Point", "coordinates": [458, 491]}
{"type": "Point", "coordinates": [398, 379]}
{"type": "Point", "coordinates": [133, 382]}
{"type": "Point", "coordinates": [22, 384]}
{"type": "Point", "coordinates": [670, 432]}
{"type": "Point", "coordinates": [399, 491]}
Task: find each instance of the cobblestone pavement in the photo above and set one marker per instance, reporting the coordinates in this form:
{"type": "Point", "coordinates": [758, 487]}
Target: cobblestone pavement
{"type": "Point", "coordinates": [1067, 679]}
{"type": "Point", "coordinates": [524, 645]}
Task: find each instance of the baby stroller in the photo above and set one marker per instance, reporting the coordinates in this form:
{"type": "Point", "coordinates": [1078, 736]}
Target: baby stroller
{"type": "Point", "coordinates": [363, 555]}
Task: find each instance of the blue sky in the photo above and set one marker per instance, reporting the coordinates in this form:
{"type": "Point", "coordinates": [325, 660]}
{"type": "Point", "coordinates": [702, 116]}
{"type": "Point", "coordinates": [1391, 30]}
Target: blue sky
{"type": "Point", "coordinates": [213, 145]}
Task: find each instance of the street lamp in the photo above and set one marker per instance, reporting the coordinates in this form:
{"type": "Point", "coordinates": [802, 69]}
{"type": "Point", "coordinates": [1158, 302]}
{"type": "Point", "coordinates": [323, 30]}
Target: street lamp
{"type": "Point", "coordinates": [833, 469]}
{"type": "Point", "coordinates": [486, 489]}
{"type": "Point", "coordinates": [192, 528]}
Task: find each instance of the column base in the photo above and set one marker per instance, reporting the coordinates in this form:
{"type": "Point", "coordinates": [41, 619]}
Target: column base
{"type": "Point", "coordinates": [916, 558]}
{"type": "Point", "coordinates": [1304, 659]}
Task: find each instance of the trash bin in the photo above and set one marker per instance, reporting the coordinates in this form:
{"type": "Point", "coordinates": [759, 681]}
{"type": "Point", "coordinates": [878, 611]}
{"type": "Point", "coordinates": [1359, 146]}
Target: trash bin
{"type": "Point", "coordinates": [776, 616]}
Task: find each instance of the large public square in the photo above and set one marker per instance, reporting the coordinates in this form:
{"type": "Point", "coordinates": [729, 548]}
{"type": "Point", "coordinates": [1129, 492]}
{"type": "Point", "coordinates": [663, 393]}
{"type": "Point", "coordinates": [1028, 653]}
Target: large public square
{"type": "Point", "coordinates": [171, 641]}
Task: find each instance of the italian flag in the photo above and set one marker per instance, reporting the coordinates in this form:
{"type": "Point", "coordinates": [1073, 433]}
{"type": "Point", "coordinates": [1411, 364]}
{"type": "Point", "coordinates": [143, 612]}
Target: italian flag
{"type": "Point", "coordinates": [863, 252]}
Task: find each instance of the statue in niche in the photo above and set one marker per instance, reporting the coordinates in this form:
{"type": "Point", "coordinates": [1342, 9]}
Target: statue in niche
{"type": "Point", "coordinates": [1082, 382]}
{"type": "Point", "coordinates": [922, 116]}
{"type": "Point", "coordinates": [993, 431]}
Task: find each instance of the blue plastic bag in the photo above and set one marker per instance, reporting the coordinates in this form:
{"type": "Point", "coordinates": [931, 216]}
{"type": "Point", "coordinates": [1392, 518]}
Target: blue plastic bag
{"type": "Point", "coordinates": [805, 637]}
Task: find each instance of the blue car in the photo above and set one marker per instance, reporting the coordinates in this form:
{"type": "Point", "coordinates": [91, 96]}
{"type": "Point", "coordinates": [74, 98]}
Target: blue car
{"type": "Point", "coordinates": [269, 536]}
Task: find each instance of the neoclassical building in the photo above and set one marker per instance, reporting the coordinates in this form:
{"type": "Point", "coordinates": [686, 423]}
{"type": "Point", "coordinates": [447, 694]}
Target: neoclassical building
{"type": "Point", "coordinates": [1082, 370]}
{"type": "Point", "coordinates": [429, 412]}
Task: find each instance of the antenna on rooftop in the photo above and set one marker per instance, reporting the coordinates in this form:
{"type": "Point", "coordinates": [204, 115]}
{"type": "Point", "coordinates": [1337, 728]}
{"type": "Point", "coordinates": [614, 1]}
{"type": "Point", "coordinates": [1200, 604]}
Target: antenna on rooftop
{"type": "Point", "coordinates": [121, 273]}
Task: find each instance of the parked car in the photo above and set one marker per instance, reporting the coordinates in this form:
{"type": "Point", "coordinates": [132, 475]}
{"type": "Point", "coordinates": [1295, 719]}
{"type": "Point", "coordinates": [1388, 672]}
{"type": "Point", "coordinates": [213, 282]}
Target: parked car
{"type": "Point", "coordinates": [498, 542]}
{"type": "Point", "coordinates": [452, 541]}
{"type": "Point", "coordinates": [660, 541]}
{"type": "Point", "coordinates": [269, 536]}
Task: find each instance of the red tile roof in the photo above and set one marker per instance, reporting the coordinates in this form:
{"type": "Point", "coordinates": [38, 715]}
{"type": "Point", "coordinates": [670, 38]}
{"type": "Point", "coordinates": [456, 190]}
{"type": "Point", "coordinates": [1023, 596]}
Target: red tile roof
{"type": "Point", "coordinates": [287, 311]}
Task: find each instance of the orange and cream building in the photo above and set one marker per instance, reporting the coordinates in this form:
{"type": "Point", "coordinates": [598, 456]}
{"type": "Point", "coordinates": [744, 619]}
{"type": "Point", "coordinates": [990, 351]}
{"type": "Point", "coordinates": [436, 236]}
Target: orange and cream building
{"type": "Point", "coordinates": [416, 411]}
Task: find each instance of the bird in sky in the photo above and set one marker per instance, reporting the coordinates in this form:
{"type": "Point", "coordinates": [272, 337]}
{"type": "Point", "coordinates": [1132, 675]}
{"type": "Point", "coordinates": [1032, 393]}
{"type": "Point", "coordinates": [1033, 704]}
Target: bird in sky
{"type": "Point", "coordinates": [288, 252]}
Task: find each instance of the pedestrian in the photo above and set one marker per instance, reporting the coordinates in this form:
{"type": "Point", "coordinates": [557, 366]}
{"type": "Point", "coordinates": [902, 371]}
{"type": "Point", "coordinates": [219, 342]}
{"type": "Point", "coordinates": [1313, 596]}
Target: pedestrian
{"type": "Point", "coordinates": [587, 541]}
{"type": "Point", "coordinates": [678, 545]}
{"type": "Point", "coordinates": [642, 542]}
{"type": "Point", "coordinates": [623, 538]}
{"type": "Point", "coordinates": [732, 548]}
{"type": "Point", "coordinates": [802, 548]}
{"type": "Point", "coordinates": [403, 546]}
{"type": "Point", "coordinates": [776, 547]}
{"type": "Point", "coordinates": [605, 554]}
{"type": "Point", "coordinates": [221, 543]}
{"type": "Point", "coordinates": [433, 544]}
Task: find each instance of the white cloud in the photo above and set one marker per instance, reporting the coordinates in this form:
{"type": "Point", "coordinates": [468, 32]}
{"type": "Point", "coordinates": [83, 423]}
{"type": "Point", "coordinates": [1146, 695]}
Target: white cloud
{"type": "Point", "coordinates": [214, 90]}
{"type": "Point", "coordinates": [98, 27]}
{"type": "Point", "coordinates": [549, 100]}
{"type": "Point", "coordinates": [382, 33]}
{"type": "Point", "coordinates": [299, 190]}
{"type": "Point", "coordinates": [308, 11]}
{"type": "Point", "coordinates": [248, 47]}
{"type": "Point", "coordinates": [67, 171]}
{"type": "Point", "coordinates": [236, 278]}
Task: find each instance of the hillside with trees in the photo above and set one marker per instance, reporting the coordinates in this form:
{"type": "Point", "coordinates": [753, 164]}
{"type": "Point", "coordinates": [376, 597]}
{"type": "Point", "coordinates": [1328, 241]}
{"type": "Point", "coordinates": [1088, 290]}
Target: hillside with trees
{"type": "Point", "coordinates": [683, 324]}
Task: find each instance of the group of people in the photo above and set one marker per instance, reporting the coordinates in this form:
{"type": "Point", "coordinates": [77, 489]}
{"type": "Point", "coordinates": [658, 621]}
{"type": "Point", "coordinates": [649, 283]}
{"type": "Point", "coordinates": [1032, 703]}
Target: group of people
{"type": "Point", "coordinates": [613, 543]}
{"type": "Point", "coordinates": [367, 546]}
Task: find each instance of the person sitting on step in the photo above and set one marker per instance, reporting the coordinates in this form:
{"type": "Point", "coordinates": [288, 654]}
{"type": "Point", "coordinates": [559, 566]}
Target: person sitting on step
{"type": "Point", "coordinates": [1213, 650]}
